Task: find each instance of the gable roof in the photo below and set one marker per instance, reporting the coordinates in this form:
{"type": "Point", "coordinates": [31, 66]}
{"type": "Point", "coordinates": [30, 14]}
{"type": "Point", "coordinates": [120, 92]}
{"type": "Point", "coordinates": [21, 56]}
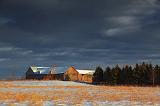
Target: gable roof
{"type": "Point", "coordinates": [61, 69]}
{"type": "Point", "coordinates": [46, 70]}
{"type": "Point", "coordinates": [40, 70]}
{"type": "Point", "coordinates": [91, 72]}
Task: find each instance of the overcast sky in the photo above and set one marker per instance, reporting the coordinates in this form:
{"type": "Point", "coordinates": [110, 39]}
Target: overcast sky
{"type": "Point", "coordinates": [83, 33]}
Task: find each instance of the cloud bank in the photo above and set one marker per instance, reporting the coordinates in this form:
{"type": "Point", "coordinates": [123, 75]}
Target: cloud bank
{"type": "Point", "coordinates": [83, 33]}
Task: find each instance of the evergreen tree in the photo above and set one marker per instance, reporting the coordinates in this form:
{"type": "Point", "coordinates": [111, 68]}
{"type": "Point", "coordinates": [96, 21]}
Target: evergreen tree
{"type": "Point", "coordinates": [107, 75]}
{"type": "Point", "coordinates": [156, 75]}
{"type": "Point", "coordinates": [123, 76]}
{"type": "Point", "coordinates": [130, 75]}
{"type": "Point", "coordinates": [141, 74]}
{"type": "Point", "coordinates": [98, 75]}
{"type": "Point", "coordinates": [116, 75]}
{"type": "Point", "coordinates": [136, 75]}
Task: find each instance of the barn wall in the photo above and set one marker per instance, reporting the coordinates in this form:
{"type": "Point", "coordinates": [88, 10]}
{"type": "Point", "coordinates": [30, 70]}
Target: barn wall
{"type": "Point", "coordinates": [80, 77]}
{"type": "Point", "coordinates": [87, 78]}
{"type": "Point", "coordinates": [30, 77]}
{"type": "Point", "coordinates": [46, 76]}
{"type": "Point", "coordinates": [29, 72]}
{"type": "Point", "coordinates": [49, 77]}
{"type": "Point", "coordinates": [40, 76]}
{"type": "Point", "coordinates": [71, 74]}
{"type": "Point", "coordinates": [59, 76]}
{"type": "Point", "coordinates": [36, 76]}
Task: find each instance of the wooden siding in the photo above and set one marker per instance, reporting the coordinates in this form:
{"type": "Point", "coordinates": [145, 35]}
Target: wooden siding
{"type": "Point", "coordinates": [45, 76]}
{"type": "Point", "coordinates": [36, 76]}
{"type": "Point", "coordinates": [71, 74]}
{"type": "Point", "coordinates": [54, 76]}
{"type": "Point", "coordinates": [87, 78]}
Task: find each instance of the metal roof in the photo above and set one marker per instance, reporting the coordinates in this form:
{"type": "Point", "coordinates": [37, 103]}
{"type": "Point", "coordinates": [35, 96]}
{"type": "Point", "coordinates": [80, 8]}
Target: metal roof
{"type": "Point", "coordinates": [91, 72]}
{"type": "Point", "coordinates": [46, 70]}
{"type": "Point", "coordinates": [43, 70]}
{"type": "Point", "coordinates": [61, 69]}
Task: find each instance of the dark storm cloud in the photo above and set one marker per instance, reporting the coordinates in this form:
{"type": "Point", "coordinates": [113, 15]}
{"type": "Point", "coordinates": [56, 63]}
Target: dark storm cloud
{"type": "Point", "coordinates": [84, 33]}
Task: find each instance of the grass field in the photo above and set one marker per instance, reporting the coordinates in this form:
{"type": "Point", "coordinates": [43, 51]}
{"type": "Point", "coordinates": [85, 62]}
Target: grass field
{"type": "Point", "coordinates": [59, 93]}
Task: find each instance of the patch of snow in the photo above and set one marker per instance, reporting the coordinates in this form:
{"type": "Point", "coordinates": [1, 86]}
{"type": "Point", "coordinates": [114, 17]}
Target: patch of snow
{"type": "Point", "coordinates": [45, 83]}
{"type": "Point", "coordinates": [48, 103]}
{"type": "Point", "coordinates": [87, 103]}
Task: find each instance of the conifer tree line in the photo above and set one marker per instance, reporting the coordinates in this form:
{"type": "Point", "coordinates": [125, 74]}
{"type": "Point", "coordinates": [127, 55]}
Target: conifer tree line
{"type": "Point", "coordinates": [140, 74]}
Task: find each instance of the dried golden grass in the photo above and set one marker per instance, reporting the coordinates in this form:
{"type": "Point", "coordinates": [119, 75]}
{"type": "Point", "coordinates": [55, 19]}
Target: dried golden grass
{"type": "Point", "coordinates": [82, 93]}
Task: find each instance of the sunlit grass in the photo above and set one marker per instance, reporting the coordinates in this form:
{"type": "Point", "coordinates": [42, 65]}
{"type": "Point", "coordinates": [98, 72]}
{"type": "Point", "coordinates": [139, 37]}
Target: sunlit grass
{"type": "Point", "coordinates": [78, 94]}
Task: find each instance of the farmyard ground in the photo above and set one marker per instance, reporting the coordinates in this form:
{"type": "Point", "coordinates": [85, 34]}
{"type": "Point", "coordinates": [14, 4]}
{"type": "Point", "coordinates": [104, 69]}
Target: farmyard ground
{"type": "Point", "coordinates": [66, 93]}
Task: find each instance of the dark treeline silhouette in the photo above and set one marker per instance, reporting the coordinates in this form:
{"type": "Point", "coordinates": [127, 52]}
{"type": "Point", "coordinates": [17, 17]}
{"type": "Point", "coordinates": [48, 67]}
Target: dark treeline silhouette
{"type": "Point", "coordinates": [142, 74]}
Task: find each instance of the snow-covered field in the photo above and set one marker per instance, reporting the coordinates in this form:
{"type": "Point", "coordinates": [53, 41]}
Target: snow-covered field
{"type": "Point", "coordinates": [67, 93]}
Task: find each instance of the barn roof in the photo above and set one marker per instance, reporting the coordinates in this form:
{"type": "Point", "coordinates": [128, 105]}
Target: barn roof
{"type": "Point", "coordinates": [61, 69]}
{"type": "Point", "coordinates": [86, 71]}
{"type": "Point", "coordinates": [46, 70]}
{"type": "Point", "coordinates": [40, 70]}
